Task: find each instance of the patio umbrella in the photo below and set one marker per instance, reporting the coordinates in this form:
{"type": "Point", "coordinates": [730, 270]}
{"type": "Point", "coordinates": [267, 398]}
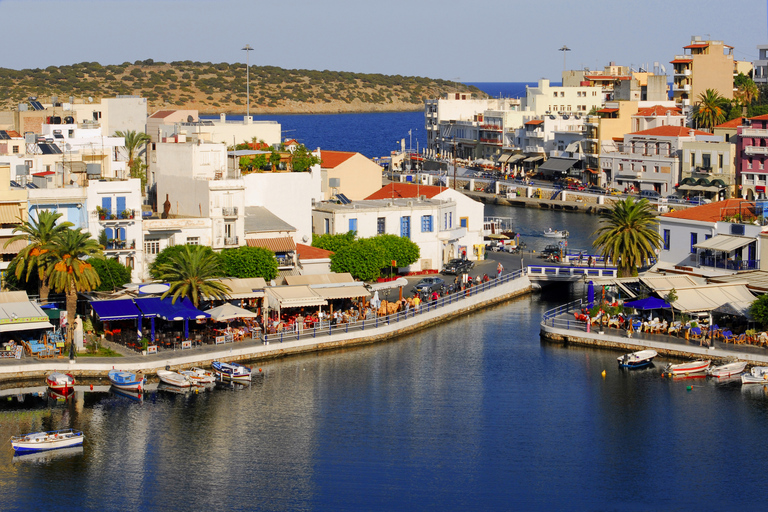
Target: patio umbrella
{"type": "Point", "coordinates": [591, 294]}
{"type": "Point", "coordinates": [228, 311]}
{"type": "Point", "coordinates": [648, 303]}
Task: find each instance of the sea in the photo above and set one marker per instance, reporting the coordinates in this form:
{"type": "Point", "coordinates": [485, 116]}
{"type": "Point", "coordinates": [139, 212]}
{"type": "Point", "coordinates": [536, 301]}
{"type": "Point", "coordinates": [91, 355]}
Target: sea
{"type": "Point", "coordinates": [477, 413]}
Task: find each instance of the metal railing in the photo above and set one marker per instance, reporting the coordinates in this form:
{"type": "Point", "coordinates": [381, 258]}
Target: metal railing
{"type": "Point", "coordinates": [562, 317]}
{"type": "Point", "coordinates": [547, 271]}
{"type": "Point", "coordinates": [232, 240]}
{"type": "Point", "coordinates": [730, 264]}
{"type": "Point", "coordinates": [120, 245]}
{"type": "Point", "coordinates": [327, 329]}
{"type": "Point", "coordinates": [229, 211]}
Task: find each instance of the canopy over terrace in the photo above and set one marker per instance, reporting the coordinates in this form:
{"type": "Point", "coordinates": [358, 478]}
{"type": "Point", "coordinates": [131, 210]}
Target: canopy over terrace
{"type": "Point", "coordinates": [229, 311]}
{"type": "Point", "coordinates": [281, 297]}
{"type": "Point", "coordinates": [22, 316]}
{"type": "Point", "coordinates": [709, 297]}
{"type": "Point", "coordinates": [331, 286]}
{"type": "Point", "coordinates": [149, 307]}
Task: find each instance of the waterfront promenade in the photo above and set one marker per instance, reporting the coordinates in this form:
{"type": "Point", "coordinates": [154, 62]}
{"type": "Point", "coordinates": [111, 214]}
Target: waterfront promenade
{"type": "Point", "coordinates": [284, 344]}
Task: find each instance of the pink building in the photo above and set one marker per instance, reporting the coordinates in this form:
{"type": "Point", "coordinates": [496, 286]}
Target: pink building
{"type": "Point", "coordinates": [751, 157]}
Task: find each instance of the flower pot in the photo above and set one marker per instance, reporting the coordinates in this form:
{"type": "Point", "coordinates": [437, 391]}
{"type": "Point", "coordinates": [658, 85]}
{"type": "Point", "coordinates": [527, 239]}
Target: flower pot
{"type": "Point", "coordinates": [143, 352]}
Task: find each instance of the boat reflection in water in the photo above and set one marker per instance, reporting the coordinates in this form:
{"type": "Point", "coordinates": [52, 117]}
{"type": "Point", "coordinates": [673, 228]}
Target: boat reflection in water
{"type": "Point", "coordinates": [62, 395]}
{"type": "Point", "coordinates": [136, 396]}
{"type": "Point", "coordinates": [49, 455]}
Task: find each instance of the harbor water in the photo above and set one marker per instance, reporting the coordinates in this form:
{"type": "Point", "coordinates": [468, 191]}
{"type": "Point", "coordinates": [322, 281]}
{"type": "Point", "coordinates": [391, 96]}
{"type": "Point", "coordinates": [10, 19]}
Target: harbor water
{"type": "Point", "coordinates": [474, 414]}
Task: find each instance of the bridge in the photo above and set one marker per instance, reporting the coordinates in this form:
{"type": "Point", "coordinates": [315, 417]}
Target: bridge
{"type": "Point", "coordinates": [554, 273]}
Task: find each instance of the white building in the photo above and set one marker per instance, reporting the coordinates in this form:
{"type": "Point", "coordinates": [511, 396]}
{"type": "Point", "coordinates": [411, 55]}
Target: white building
{"type": "Point", "coordinates": [161, 233]}
{"type": "Point", "coordinates": [122, 113]}
{"type": "Point", "coordinates": [547, 99]}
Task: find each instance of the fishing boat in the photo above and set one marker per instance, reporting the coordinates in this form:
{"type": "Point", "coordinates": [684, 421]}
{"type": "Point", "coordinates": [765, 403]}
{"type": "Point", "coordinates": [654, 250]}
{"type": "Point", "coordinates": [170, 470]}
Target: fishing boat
{"type": "Point", "coordinates": [727, 370]}
{"type": "Point", "coordinates": [174, 379]}
{"type": "Point", "coordinates": [126, 380]}
{"type": "Point", "coordinates": [199, 377]}
{"type": "Point", "coordinates": [60, 382]}
{"type": "Point", "coordinates": [759, 371]}
{"type": "Point", "coordinates": [687, 368]}
{"type": "Point", "coordinates": [555, 233]}
{"type": "Point", "coordinates": [132, 394]}
{"type": "Point", "coordinates": [42, 441]}
{"type": "Point", "coordinates": [639, 359]}
{"type": "Point", "coordinates": [749, 378]}
{"type": "Point", "coordinates": [231, 371]}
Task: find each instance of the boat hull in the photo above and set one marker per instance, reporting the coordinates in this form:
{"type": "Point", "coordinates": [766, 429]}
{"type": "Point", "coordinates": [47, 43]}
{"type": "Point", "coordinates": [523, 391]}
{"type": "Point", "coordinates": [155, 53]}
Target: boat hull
{"type": "Point", "coordinates": [688, 368]}
{"type": "Point", "coordinates": [44, 441]}
{"type": "Point", "coordinates": [126, 380]}
{"type": "Point", "coordinates": [60, 382]}
{"type": "Point", "coordinates": [727, 370]}
{"type": "Point", "coordinates": [174, 379]}
{"type": "Point", "coordinates": [748, 378]}
{"type": "Point", "coordinates": [231, 371]}
{"type": "Point", "coordinates": [639, 359]}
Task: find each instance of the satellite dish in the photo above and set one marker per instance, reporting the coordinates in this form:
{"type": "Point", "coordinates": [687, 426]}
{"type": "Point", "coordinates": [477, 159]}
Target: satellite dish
{"type": "Point", "coordinates": [190, 119]}
{"type": "Point", "coordinates": [90, 100]}
{"type": "Point", "coordinates": [33, 98]}
{"type": "Point", "coordinates": [154, 288]}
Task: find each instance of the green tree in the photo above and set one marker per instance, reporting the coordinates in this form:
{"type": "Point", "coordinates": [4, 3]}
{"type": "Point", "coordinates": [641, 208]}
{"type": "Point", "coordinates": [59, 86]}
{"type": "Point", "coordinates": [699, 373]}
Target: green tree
{"type": "Point", "coordinates": [112, 274]}
{"type": "Point", "coordinates": [628, 235]}
{"type": "Point", "coordinates": [193, 273]}
{"type": "Point", "coordinates": [70, 270]}
{"type": "Point", "coordinates": [709, 110]}
{"type": "Point", "coordinates": [333, 242]}
{"type": "Point", "coordinates": [134, 144]}
{"type": "Point", "coordinates": [759, 310]}
{"type": "Point", "coordinates": [302, 159]}
{"type": "Point", "coordinates": [274, 159]}
{"type": "Point", "coordinates": [746, 91]}
{"type": "Point", "coordinates": [169, 254]}
{"type": "Point", "coordinates": [246, 262]}
{"type": "Point", "coordinates": [364, 259]}
{"type": "Point", "coordinates": [670, 298]}
{"type": "Point", "coordinates": [397, 248]}
{"type": "Point", "coordinates": [40, 234]}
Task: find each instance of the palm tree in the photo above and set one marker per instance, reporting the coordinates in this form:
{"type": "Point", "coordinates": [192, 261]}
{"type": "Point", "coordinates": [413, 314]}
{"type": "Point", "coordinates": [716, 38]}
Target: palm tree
{"type": "Point", "coordinates": [133, 142]}
{"type": "Point", "coordinates": [70, 272]}
{"type": "Point", "coordinates": [708, 111]}
{"type": "Point", "coordinates": [628, 235]}
{"type": "Point", "coordinates": [40, 234]}
{"type": "Point", "coordinates": [191, 274]}
{"type": "Point", "coordinates": [746, 93]}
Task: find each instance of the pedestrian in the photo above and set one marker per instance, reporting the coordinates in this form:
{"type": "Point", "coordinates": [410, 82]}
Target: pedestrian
{"type": "Point", "coordinates": [499, 269]}
{"type": "Point", "coordinates": [589, 260]}
{"type": "Point", "coordinates": [581, 257]}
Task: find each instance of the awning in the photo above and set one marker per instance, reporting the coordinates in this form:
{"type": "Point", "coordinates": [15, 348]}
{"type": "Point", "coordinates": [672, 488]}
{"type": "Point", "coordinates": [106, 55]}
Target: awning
{"type": "Point", "coordinates": [281, 244]}
{"type": "Point", "coordinates": [533, 159]}
{"type": "Point", "coordinates": [164, 308]}
{"type": "Point", "coordinates": [557, 165]}
{"type": "Point", "coordinates": [13, 247]}
{"type": "Point", "coordinates": [25, 326]}
{"type": "Point", "coordinates": [109, 310]}
{"type": "Point", "coordinates": [10, 213]}
{"type": "Point", "coordinates": [314, 279]}
{"type": "Point", "coordinates": [294, 297]}
{"type": "Point", "coordinates": [735, 309]}
{"type": "Point", "coordinates": [515, 158]}
{"type": "Point", "coordinates": [710, 297]}
{"type": "Point", "coordinates": [245, 288]}
{"type": "Point", "coordinates": [573, 147]}
{"type": "Point", "coordinates": [503, 158]}
{"type": "Point", "coordinates": [387, 285]}
{"type": "Point", "coordinates": [229, 311]}
{"type": "Point", "coordinates": [343, 292]}
{"type": "Point", "coordinates": [725, 243]}
{"type": "Point", "coordinates": [20, 316]}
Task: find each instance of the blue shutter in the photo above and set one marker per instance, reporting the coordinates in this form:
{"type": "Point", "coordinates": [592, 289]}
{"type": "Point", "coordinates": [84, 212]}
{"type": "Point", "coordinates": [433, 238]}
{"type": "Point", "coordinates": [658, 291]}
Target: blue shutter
{"type": "Point", "coordinates": [121, 233]}
{"type": "Point", "coordinates": [106, 203]}
{"type": "Point", "coordinates": [353, 225]}
{"type": "Point", "coordinates": [120, 205]}
{"type": "Point", "coordinates": [108, 232]}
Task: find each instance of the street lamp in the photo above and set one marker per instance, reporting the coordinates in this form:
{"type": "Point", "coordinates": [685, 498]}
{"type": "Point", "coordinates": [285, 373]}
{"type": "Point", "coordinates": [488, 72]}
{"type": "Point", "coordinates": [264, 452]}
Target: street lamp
{"type": "Point", "coordinates": [564, 49]}
{"type": "Point", "coordinates": [247, 49]}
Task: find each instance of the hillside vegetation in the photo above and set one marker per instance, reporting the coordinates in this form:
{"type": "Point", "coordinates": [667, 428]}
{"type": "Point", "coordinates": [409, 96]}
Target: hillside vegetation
{"type": "Point", "coordinates": [213, 88]}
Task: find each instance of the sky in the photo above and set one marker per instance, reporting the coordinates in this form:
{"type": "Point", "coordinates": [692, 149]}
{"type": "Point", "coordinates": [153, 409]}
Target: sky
{"type": "Point", "coordinates": [457, 40]}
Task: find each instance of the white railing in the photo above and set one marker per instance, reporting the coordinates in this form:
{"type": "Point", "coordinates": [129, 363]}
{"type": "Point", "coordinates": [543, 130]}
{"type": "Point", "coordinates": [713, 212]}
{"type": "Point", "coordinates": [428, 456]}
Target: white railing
{"type": "Point", "coordinates": [754, 132]}
{"type": "Point", "coordinates": [555, 272]}
{"type": "Point", "coordinates": [756, 150]}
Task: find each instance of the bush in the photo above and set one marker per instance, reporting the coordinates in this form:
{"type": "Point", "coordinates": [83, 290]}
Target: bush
{"type": "Point", "coordinates": [245, 262]}
{"type": "Point", "coordinates": [362, 258]}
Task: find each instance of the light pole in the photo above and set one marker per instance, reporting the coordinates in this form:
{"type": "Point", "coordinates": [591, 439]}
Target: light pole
{"type": "Point", "coordinates": [564, 49]}
{"type": "Point", "coordinates": [247, 49]}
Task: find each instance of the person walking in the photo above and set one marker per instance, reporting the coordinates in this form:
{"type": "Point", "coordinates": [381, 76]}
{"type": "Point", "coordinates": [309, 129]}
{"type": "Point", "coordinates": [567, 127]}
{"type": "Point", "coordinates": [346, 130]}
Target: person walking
{"type": "Point", "coordinates": [499, 269]}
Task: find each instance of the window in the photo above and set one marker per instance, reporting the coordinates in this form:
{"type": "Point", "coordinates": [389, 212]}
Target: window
{"type": "Point", "coordinates": [666, 239]}
{"type": "Point", "coordinates": [694, 241]}
{"type": "Point", "coordinates": [353, 225]}
{"type": "Point", "coordinates": [562, 94]}
{"type": "Point", "coordinates": [15, 150]}
{"type": "Point", "coordinates": [405, 227]}
{"type": "Point", "coordinates": [693, 159]}
{"type": "Point", "coordinates": [129, 262]}
{"type": "Point", "coordinates": [450, 220]}
{"type": "Point", "coordinates": [554, 94]}
{"type": "Point", "coordinates": [706, 160]}
{"type": "Point", "coordinates": [464, 222]}
{"type": "Point", "coordinates": [381, 226]}
{"type": "Point", "coordinates": [151, 246]}
{"type": "Point", "coordinates": [445, 221]}
{"type": "Point", "coordinates": [193, 240]}
{"type": "Point", "coordinates": [229, 229]}
{"type": "Point", "coordinates": [426, 224]}
{"type": "Point", "coordinates": [327, 226]}
{"type": "Point", "coordinates": [720, 162]}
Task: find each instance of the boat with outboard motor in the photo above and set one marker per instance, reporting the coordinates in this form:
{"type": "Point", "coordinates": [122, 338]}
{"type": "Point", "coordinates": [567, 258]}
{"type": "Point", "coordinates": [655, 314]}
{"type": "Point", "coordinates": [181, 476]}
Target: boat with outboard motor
{"type": "Point", "coordinates": [42, 441]}
{"type": "Point", "coordinates": [639, 359]}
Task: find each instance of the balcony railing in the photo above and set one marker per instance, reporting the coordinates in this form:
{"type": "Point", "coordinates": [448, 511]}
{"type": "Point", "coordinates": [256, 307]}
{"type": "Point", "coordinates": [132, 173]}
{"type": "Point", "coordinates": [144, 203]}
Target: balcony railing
{"type": "Point", "coordinates": [534, 149]}
{"type": "Point", "coordinates": [285, 261]}
{"type": "Point", "coordinates": [229, 211]}
{"type": "Point", "coordinates": [490, 127]}
{"type": "Point", "coordinates": [682, 72]}
{"type": "Point", "coordinates": [120, 245]}
{"type": "Point", "coordinates": [754, 133]}
{"type": "Point", "coordinates": [756, 150]}
{"type": "Point", "coordinates": [231, 240]}
{"type": "Point", "coordinates": [490, 141]}
{"type": "Point", "coordinates": [114, 215]}
{"type": "Point", "coordinates": [729, 264]}
{"type": "Point", "coordinates": [534, 134]}
{"type": "Point", "coordinates": [681, 87]}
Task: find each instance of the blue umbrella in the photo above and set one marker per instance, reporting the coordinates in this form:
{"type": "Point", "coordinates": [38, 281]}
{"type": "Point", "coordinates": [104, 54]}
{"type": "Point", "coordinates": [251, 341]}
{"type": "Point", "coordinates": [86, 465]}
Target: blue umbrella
{"type": "Point", "coordinates": [648, 303]}
{"type": "Point", "coordinates": [591, 294]}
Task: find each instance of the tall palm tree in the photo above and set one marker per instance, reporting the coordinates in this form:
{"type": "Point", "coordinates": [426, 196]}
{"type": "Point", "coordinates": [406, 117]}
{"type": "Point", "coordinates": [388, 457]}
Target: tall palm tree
{"type": "Point", "coordinates": [628, 235]}
{"type": "Point", "coordinates": [746, 93]}
{"type": "Point", "coordinates": [192, 273]}
{"type": "Point", "coordinates": [133, 143]}
{"type": "Point", "coordinates": [708, 111]}
{"type": "Point", "coordinates": [40, 234]}
{"type": "Point", "coordinates": [69, 270]}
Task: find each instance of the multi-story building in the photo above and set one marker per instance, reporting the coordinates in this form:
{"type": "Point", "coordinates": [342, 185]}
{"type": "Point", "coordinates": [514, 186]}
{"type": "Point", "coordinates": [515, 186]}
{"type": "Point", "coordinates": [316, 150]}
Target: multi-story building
{"type": "Point", "coordinates": [13, 211]}
{"type": "Point", "coordinates": [752, 157]}
{"type": "Point", "coordinates": [704, 65]}
{"type": "Point", "coordinates": [159, 234]}
{"type": "Point", "coordinates": [760, 75]}
{"type": "Point", "coordinates": [548, 99]}
{"type": "Point", "coordinates": [708, 168]}
{"type": "Point", "coordinates": [348, 173]}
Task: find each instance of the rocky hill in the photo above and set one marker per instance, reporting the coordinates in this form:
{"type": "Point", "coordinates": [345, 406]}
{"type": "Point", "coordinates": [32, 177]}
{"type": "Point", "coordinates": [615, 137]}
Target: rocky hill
{"type": "Point", "coordinates": [213, 88]}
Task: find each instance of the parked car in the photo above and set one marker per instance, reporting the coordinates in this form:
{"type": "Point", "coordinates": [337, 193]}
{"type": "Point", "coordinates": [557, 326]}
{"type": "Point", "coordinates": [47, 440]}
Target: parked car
{"type": "Point", "coordinates": [429, 284]}
{"type": "Point", "coordinates": [551, 249]}
{"type": "Point", "coordinates": [698, 200]}
{"type": "Point", "coordinates": [576, 186]}
{"type": "Point", "coordinates": [596, 189]}
{"type": "Point", "coordinates": [458, 266]}
{"type": "Point", "coordinates": [614, 192]}
{"type": "Point", "coordinates": [675, 199]}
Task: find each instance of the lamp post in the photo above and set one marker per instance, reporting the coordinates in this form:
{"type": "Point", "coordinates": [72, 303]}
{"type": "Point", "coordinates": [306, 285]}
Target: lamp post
{"type": "Point", "coordinates": [247, 49]}
{"type": "Point", "coordinates": [564, 49]}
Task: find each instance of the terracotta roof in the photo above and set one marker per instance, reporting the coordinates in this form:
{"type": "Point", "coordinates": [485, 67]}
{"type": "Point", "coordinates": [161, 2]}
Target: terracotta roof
{"type": "Point", "coordinates": [162, 114]}
{"type": "Point", "coordinates": [712, 212]}
{"type": "Point", "coordinates": [696, 45]}
{"type": "Point", "coordinates": [658, 110]}
{"type": "Point", "coordinates": [291, 142]}
{"type": "Point", "coordinates": [403, 190]}
{"type": "Point", "coordinates": [281, 244]}
{"type": "Point", "coordinates": [763, 117]}
{"type": "Point", "coordinates": [535, 121]}
{"type": "Point", "coordinates": [733, 123]}
{"type": "Point", "coordinates": [607, 77]}
{"type": "Point", "coordinates": [331, 159]}
{"type": "Point", "coordinates": [671, 131]}
{"type": "Point", "coordinates": [307, 252]}
{"type": "Point", "coordinates": [680, 61]}
{"type": "Point", "coordinates": [607, 110]}
{"type": "Point", "coordinates": [13, 133]}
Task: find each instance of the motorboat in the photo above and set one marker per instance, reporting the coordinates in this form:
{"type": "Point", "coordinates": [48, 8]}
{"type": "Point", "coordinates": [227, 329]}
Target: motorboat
{"type": "Point", "coordinates": [231, 371]}
{"type": "Point", "coordinates": [759, 371]}
{"type": "Point", "coordinates": [60, 382]}
{"type": "Point", "coordinates": [126, 380]}
{"type": "Point", "coordinates": [556, 233]}
{"type": "Point", "coordinates": [199, 376]}
{"type": "Point", "coordinates": [749, 378]}
{"type": "Point", "coordinates": [42, 441]}
{"type": "Point", "coordinates": [687, 368]}
{"type": "Point", "coordinates": [727, 370]}
{"type": "Point", "coordinates": [639, 359]}
{"type": "Point", "coordinates": [174, 379]}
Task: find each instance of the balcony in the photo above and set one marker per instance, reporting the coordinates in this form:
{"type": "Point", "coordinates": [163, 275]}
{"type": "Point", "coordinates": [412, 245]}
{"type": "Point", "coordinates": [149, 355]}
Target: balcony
{"type": "Point", "coordinates": [229, 211]}
{"type": "Point", "coordinates": [729, 263]}
{"type": "Point", "coordinates": [231, 240]}
{"type": "Point", "coordinates": [534, 149]}
{"type": "Point", "coordinates": [492, 127]}
{"type": "Point", "coordinates": [490, 141]}
{"type": "Point", "coordinates": [534, 134]}
{"type": "Point", "coordinates": [681, 87]}
{"type": "Point", "coordinates": [682, 72]}
{"type": "Point", "coordinates": [756, 150]}
{"type": "Point", "coordinates": [113, 216]}
{"type": "Point", "coordinates": [754, 133]}
{"type": "Point", "coordinates": [284, 262]}
{"type": "Point", "coordinates": [115, 245]}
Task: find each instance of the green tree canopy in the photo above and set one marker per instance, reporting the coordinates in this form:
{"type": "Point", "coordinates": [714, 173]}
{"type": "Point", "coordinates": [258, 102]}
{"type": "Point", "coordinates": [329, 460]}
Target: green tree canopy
{"type": "Point", "coordinates": [364, 259]}
{"type": "Point", "coordinates": [112, 273]}
{"type": "Point", "coordinates": [302, 159]}
{"type": "Point", "coordinates": [193, 273]}
{"type": "Point", "coordinates": [759, 310]}
{"type": "Point", "coordinates": [168, 254]}
{"type": "Point", "coordinates": [333, 242]}
{"type": "Point", "coordinates": [246, 262]}
{"type": "Point", "coordinates": [398, 248]}
{"type": "Point", "coordinates": [709, 110]}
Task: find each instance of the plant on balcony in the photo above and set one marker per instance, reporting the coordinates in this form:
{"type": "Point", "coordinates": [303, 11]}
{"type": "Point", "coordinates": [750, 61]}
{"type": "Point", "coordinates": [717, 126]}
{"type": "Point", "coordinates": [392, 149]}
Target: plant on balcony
{"type": "Point", "coordinates": [101, 212]}
{"type": "Point", "coordinates": [126, 214]}
{"type": "Point", "coordinates": [112, 216]}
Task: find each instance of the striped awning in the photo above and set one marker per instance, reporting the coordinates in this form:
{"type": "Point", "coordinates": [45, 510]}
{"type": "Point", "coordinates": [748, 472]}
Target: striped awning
{"type": "Point", "coordinates": [281, 244]}
{"type": "Point", "coordinates": [10, 213]}
{"type": "Point", "coordinates": [13, 247]}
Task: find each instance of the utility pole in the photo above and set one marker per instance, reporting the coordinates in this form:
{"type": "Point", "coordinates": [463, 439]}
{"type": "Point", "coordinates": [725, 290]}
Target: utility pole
{"type": "Point", "coordinates": [564, 49]}
{"type": "Point", "coordinates": [247, 49]}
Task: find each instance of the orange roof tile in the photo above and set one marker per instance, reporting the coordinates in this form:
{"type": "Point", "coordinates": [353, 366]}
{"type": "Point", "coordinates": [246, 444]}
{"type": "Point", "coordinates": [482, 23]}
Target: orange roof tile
{"type": "Point", "coordinates": [162, 114]}
{"type": "Point", "coordinates": [712, 212]}
{"type": "Point", "coordinates": [671, 131]}
{"type": "Point", "coordinates": [607, 110]}
{"type": "Point", "coordinates": [763, 117]}
{"type": "Point", "coordinates": [696, 45]}
{"type": "Point", "coordinates": [733, 123]}
{"type": "Point", "coordinates": [402, 190]}
{"type": "Point", "coordinates": [13, 133]}
{"type": "Point", "coordinates": [680, 61]}
{"type": "Point", "coordinates": [607, 77]}
{"type": "Point", "coordinates": [658, 110]}
{"type": "Point", "coordinates": [307, 252]}
{"type": "Point", "coordinates": [333, 159]}
{"type": "Point", "coordinates": [291, 142]}
{"type": "Point", "coordinates": [535, 121]}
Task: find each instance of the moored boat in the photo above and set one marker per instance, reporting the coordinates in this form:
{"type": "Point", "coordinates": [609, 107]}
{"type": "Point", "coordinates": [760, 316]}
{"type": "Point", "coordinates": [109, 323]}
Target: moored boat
{"type": "Point", "coordinates": [555, 233]}
{"type": "Point", "coordinates": [759, 371]}
{"type": "Point", "coordinates": [42, 441]}
{"type": "Point", "coordinates": [727, 370]}
{"type": "Point", "coordinates": [749, 378]}
{"type": "Point", "coordinates": [687, 368]}
{"type": "Point", "coordinates": [199, 376]}
{"type": "Point", "coordinates": [639, 359]}
{"type": "Point", "coordinates": [60, 382]}
{"type": "Point", "coordinates": [231, 371]}
{"type": "Point", "coordinates": [174, 379]}
{"type": "Point", "coordinates": [126, 380]}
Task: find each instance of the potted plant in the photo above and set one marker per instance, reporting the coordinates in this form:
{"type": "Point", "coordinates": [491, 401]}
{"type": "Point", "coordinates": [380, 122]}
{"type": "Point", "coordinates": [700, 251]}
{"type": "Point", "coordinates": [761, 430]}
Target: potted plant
{"type": "Point", "coordinates": [144, 346]}
{"type": "Point", "coordinates": [126, 214]}
{"type": "Point", "coordinates": [102, 213]}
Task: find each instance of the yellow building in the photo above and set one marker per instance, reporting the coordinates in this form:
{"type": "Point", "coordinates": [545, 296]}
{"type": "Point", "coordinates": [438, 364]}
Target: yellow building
{"type": "Point", "coordinates": [348, 173]}
{"type": "Point", "coordinates": [704, 65]}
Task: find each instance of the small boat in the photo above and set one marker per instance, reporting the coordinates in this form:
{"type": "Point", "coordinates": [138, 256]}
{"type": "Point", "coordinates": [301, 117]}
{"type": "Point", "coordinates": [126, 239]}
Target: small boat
{"type": "Point", "coordinates": [687, 368]}
{"type": "Point", "coordinates": [637, 359]}
{"type": "Point", "coordinates": [749, 378]}
{"type": "Point", "coordinates": [126, 380]}
{"type": "Point", "coordinates": [231, 371]}
{"type": "Point", "coordinates": [727, 370]}
{"type": "Point", "coordinates": [554, 233]}
{"type": "Point", "coordinates": [64, 394]}
{"type": "Point", "coordinates": [41, 441]}
{"type": "Point", "coordinates": [60, 382]}
{"type": "Point", "coordinates": [174, 379]}
{"type": "Point", "coordinates": [759, 371]}
{"type": "Point", "coordinates": [199, 377]}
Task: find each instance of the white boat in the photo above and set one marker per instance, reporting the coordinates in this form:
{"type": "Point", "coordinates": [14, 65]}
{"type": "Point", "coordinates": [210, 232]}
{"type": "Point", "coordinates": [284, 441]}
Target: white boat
{"type": "Point", "coordinates": [126, 380]}
{"type": "Point", "coordinates": [749, 378]}
{"type": "Point", "coordinates": [41, 441]}
{"type": "Point", "coordinates": [231, 371]}
{"type": "Point", "coordinates": [727, 370]}
{"type": "Point", "coordinates": [554, 233]}
{"type": "Point", "coordinates": [637, 359]}
{"type": "Point", "coordinates": [759, 371]}
{"type": "Point", "coordinates": [60, 382]}
{"type": "Point", "coordinates": [687, 368]}
{"type": "Point", "coordinates": [174, 379]}
{"type": "Point", "coordinates": [199, 377]}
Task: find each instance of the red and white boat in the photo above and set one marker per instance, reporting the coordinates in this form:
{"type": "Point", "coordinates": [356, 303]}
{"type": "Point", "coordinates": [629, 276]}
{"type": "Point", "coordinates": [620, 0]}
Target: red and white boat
{"type": "Point", "coordinates": [687, 368]}
{"type": "Point", "coordinates": [727, 370]}
{"type": "Point", "coordinates": [60, 382]}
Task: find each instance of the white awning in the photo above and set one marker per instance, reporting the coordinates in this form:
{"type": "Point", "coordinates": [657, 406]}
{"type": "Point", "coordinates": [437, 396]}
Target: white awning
{"type": "Point", "coordinates": [387, 285]}
{"type": "Point", "coordinates": [294, 297]}
{"type": "Point", "coordinates": [709, 297]}
{"type": "Point", "coordinates": [573, 147]}
{"type": "Point", "coordinates": [725, 243]}
{"type": "Point", "coordinates": [343, 292]}
{"type": "Point", "coordinates": [26, 326]}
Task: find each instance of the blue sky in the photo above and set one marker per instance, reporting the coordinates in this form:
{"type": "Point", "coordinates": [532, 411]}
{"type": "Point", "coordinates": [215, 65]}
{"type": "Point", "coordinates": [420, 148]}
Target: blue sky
{"type": "Point", "coordinates": [489, 41]}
